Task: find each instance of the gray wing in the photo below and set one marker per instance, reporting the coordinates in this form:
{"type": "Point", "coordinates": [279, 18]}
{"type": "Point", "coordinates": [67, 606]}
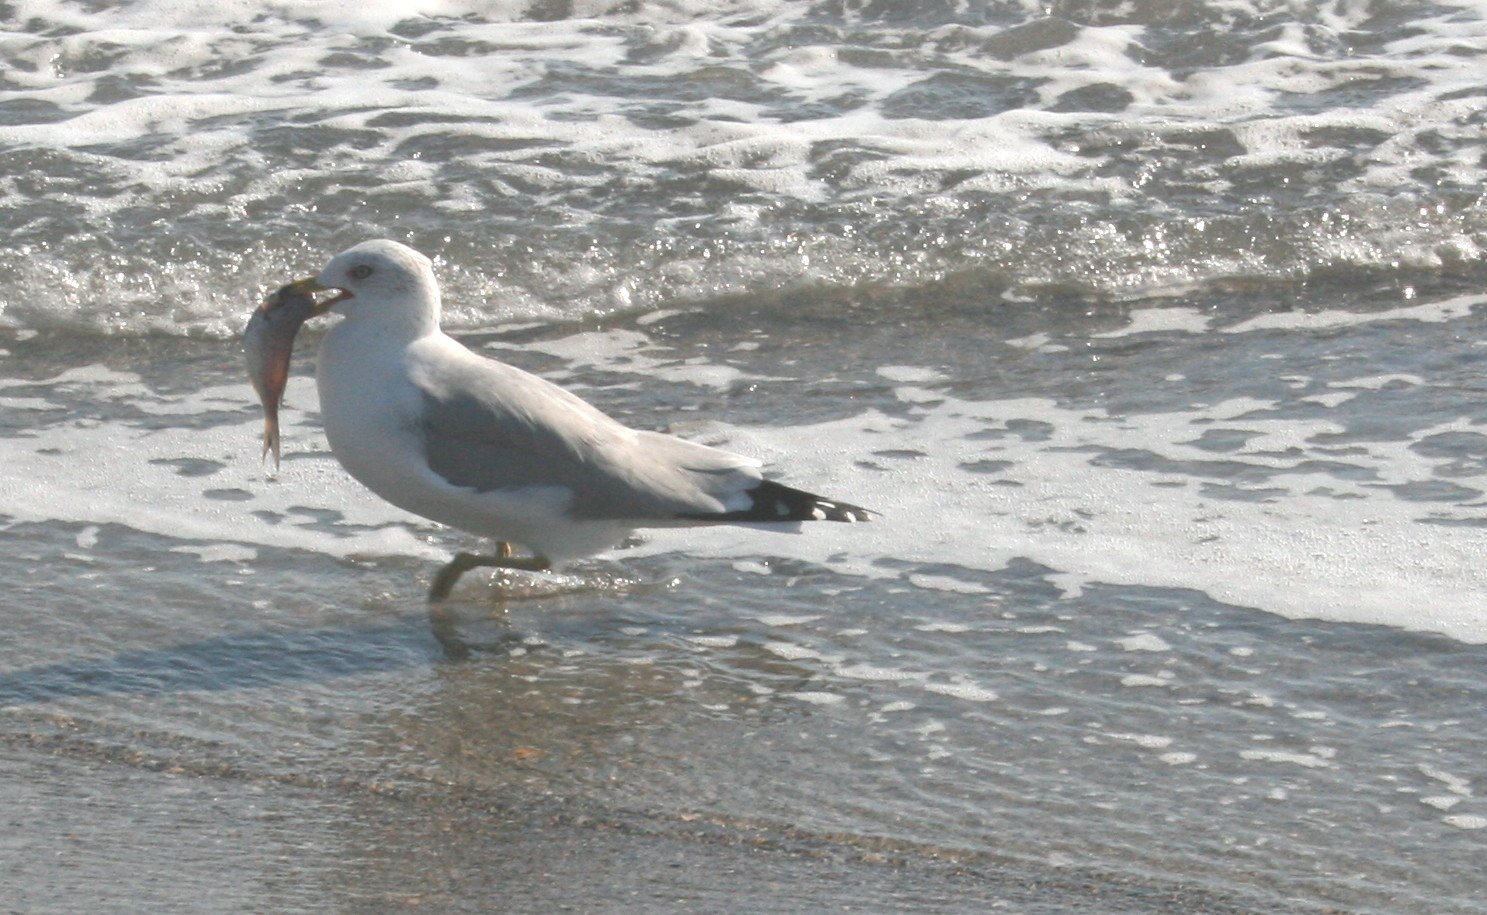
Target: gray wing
{"type": "Point", "coordinates": [488, 426]}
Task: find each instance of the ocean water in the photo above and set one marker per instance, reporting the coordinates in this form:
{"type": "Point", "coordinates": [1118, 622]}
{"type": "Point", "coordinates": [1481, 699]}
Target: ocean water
{"type": "Point", "coordinates": [1151, 329]}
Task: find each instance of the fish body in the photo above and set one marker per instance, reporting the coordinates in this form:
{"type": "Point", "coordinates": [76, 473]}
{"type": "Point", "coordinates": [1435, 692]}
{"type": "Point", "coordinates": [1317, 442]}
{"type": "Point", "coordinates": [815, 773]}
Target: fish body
{"type": "Point", "coordinates": [268, 343]}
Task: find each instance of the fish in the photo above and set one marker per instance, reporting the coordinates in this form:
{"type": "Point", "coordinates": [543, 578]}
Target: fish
{"type": "Point", "coordinates": [268, 343]}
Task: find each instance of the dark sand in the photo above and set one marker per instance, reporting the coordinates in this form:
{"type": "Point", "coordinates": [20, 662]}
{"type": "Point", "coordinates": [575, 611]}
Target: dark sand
{"type": "Point", "coordinates": [89, 829]}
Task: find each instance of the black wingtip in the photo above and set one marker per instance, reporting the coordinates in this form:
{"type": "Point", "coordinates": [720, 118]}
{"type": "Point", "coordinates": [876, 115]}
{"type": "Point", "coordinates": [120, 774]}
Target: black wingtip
{"type": "Point", "coordinates": [773, 501]}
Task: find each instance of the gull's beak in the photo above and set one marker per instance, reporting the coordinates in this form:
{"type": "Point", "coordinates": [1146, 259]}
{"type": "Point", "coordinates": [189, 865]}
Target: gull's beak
{"type": "Point", "coordinates": [309, 286]}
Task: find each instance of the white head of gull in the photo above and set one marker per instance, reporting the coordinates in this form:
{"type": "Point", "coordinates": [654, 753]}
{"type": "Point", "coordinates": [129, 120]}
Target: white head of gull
{"type": "Point", "coordinates": [485, 447]}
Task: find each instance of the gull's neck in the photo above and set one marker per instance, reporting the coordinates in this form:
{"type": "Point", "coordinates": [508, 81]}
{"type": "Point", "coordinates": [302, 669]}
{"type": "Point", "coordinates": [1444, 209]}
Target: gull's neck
{"type": "Point", "coordinates": [395, 323]}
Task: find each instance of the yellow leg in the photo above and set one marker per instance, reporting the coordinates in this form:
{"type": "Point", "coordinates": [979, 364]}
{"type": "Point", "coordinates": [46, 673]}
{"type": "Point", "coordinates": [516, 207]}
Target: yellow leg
{"type": "Point", "coordinates": [448, 576]}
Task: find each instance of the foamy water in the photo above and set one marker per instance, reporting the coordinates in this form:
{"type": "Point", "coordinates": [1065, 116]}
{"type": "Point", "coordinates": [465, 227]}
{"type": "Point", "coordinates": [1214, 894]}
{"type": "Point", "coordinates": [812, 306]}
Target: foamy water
{"type": "Point", "coordinates": [1151, 333]}
{"type": "Point", "coordinates": [1273, 503]}
{"type": "Point", "coordinates": [616, 160]}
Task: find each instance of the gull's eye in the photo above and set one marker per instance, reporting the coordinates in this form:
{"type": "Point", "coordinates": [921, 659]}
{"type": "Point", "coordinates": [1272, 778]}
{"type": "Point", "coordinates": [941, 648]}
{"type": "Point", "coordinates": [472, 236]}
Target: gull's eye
{"type": "Point", "coordinates": [361, 272]}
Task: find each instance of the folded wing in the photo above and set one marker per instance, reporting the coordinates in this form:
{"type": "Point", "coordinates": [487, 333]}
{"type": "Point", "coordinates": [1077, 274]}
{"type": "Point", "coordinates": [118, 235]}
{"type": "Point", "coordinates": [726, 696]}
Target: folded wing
{"type": "Point", "coordinates": [490, 427]}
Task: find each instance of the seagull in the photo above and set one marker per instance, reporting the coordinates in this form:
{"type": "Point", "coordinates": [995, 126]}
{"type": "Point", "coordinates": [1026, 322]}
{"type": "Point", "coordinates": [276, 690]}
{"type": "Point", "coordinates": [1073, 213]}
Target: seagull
{"type": "Point", "coordinates": [478, 445]}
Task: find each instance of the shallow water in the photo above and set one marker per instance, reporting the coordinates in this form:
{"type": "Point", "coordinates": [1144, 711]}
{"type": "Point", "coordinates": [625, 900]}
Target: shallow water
{"type": "Point", "coordinates": [1151, 334]}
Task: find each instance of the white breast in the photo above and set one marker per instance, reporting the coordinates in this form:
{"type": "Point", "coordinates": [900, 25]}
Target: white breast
{"type": "Point", "coordinates": [370, 410]}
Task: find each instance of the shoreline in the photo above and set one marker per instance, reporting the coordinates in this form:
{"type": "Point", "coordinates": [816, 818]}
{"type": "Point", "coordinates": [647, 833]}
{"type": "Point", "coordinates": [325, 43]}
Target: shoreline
{"type": "Point", "coordinates": [365, 847]}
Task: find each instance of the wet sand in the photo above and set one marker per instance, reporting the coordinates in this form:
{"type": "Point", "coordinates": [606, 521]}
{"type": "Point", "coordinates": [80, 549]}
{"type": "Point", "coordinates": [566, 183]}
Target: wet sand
{"type": "Point", "coordinates": [94, 829]}
{"type": "Point", "coordinates": [215, 694]}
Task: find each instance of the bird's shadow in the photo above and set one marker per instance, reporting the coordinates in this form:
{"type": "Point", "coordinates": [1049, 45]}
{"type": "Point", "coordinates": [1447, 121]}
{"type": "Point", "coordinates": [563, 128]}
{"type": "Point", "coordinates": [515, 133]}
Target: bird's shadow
{"type": "Point", "coordinates": [244, 660]}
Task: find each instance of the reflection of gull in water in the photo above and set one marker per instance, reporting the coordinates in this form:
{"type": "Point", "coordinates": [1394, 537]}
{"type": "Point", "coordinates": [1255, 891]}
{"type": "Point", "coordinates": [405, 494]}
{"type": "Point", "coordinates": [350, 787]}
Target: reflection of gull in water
{"type": "Point", "coordinates": [470, 442]}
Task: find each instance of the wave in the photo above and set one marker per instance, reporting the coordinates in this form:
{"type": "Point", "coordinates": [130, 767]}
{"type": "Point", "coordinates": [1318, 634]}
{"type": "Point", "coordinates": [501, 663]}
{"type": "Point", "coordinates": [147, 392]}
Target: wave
{"type": "Point", "coordinates": [610, 160]}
